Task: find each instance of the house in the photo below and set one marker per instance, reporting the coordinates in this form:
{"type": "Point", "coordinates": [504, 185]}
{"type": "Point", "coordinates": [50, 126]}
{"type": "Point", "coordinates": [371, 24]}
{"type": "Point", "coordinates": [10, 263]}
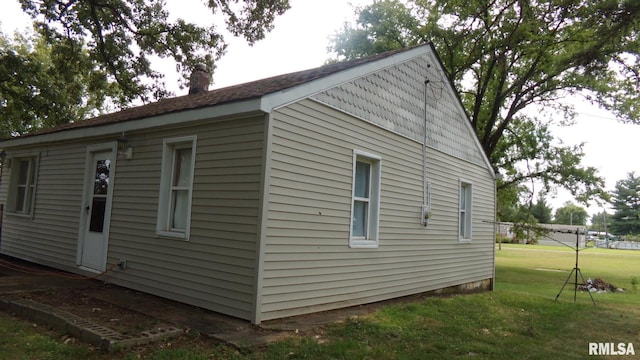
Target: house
{"type": "Point", "coordinates": [347, 184]}
{"type": "Point", "coordinates": [564, 235]}
{"type": "Point", "coordinates": [546, 234]}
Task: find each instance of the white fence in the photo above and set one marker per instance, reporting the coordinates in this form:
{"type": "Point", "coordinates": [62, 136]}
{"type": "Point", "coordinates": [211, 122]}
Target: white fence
{"type": "Point", "coordinates": [624, 245]}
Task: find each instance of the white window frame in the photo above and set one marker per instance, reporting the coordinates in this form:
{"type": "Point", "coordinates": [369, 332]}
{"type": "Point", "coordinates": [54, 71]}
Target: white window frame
{"type": "Point", "coordinates": [465, 210]}
{"type": "Point", "coordinates": [28, 202]}
{"type": "Point", "coordinates": [165, 206]}
{"type": "Point", "coordinates": [370, 240]}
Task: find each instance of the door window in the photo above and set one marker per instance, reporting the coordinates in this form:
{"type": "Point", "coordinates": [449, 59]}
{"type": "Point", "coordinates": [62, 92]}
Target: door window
{"type": "Point", "coordinates": [99, 196]}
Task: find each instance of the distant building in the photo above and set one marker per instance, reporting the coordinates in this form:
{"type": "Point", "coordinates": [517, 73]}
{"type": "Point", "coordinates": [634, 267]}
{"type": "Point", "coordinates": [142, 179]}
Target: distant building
{"type": "Point", "coordinates": [557, 235]}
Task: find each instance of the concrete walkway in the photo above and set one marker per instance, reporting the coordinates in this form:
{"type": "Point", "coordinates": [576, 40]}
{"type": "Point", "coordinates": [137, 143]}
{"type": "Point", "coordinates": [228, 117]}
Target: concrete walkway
{"type": "Point", "coordinates": [18, 277]}
{"type": "Point", "coordinates": [224, 328]}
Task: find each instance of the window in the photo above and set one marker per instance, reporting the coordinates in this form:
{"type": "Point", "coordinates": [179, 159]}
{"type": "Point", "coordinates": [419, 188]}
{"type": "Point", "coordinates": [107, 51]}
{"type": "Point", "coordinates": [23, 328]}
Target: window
{"type": "Point", "coordinates": [23, 185]}
{"type": "Point", "coordinates": [176, 187]}
{"type": "Point", "coordinates": [466, 196]}
{"type": "Point", "coordinates": [365, 202]}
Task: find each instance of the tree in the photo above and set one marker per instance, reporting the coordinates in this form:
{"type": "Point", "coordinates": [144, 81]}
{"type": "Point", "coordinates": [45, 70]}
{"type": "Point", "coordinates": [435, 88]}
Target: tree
{"type": "Point", "coordinates": [121, 36]}
{"type": "Point", "coordinates": [508, 205]}
{"type": "Point", "coordinates": [570, 214]}
{"type": "Point", "coordinates": [600, 222]}
{"type": "Point", "coordinates": [541, 210]}
{"type": "Point", "coordinates": [43, 85]}
{"type": "Point", "coordinates": [508, 56]}
{"type": "Point", "coordinates": [626, 202]}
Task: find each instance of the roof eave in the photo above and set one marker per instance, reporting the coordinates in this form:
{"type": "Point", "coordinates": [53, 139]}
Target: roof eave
{"type": "Point", "coordinates": [265, 103]}
{"type": "Point", "coordinates": [245, 107]}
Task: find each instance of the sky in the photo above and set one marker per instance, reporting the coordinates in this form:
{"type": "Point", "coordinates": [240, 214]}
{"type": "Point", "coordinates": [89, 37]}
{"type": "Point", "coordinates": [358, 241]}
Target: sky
{"type": "Point", "coordinates": [300, 39]}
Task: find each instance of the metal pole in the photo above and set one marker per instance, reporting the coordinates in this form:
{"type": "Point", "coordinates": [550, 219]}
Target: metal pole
{"type": "Point", "coordinates": [606, 234]}
{"type": "Point", "coordinates": [575, 288]}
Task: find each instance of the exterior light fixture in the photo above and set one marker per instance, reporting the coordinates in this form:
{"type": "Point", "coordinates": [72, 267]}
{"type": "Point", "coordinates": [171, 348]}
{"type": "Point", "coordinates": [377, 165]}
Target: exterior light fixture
{"type": "Point", "coordinates": [124, 148]}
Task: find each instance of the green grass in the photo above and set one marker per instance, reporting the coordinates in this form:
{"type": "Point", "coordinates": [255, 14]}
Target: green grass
{"type": "Point", "coordinates": [540, 270]}
{"type": "Point", "coordinates": [23, 340]}
{"type": "Point", "coordinates": [502, 325]}
{"type": "Point", "coordinates": [520, 320]}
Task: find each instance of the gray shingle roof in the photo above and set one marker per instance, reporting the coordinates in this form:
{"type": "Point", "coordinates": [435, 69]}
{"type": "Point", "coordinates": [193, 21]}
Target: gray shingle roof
{"type": "Point", "coordinates": [246, 91]}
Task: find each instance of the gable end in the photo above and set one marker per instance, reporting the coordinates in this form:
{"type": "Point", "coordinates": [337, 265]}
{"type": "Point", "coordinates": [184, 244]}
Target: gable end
{"type": "Point", "coordinates": [393, 98]}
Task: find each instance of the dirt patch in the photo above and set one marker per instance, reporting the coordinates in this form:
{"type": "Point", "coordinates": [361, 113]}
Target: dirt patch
{"type": "Point", "coordinates": [79, 301]}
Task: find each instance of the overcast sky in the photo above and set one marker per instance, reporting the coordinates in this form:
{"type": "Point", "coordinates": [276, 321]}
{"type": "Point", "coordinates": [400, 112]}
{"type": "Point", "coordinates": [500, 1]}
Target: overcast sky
{"type": "Point", "coordinates": [300, 39]}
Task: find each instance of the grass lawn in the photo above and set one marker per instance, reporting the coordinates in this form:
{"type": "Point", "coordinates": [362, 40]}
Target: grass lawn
{"type": "Point", "coordinates": [542, 270]}
{"type": "Point", "coordinates": [520, 320]}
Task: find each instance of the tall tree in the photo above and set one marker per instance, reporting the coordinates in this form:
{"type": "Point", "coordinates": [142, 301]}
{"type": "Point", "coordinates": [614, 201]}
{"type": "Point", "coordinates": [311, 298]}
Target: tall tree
{"type": "Point", "coordinates": [626, 202]}
{"type": "Point", "coordinates": [43, 85]}
{"type": "Point", "coordinates": [508, 56]}
{"type": "Point", "coordinates": [600, 222]}
{"type": "Point", "coordinates": [509, 206]}
{"type": "Point", "coordinates": [571, 214]}
{"type": "Point", "coordinates": [541, 210]}
{"type": "Point", "coordinates": [122, 35]}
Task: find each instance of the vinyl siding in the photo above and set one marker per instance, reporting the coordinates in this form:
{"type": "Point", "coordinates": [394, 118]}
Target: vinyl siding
{"type": "Point", "coordinates": [215, 269]}
{"type": "Point", "coordinates": [308, 264]}
{"type": "Point", "coordinates": [50, 236]}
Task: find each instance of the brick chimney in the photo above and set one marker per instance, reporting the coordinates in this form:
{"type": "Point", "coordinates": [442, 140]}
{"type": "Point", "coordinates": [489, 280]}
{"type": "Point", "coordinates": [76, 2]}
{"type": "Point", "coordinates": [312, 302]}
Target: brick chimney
{"type": "Point", "coordinates": [199, 80]}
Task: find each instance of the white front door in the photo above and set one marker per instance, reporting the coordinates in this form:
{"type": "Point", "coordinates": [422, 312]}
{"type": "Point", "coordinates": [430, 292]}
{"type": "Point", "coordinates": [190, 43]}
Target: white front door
{"type": "Point", "coordinates": [97, 210]}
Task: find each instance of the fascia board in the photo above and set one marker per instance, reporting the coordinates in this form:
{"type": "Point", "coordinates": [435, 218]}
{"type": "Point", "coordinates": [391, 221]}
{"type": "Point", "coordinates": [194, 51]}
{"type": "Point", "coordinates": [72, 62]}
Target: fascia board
{"type": "Point", "coordinates": [467, 124]}
{"type": "Point", "coordinates": [461, 108]}
{"type": "Point", "coordinates": [169, 119]}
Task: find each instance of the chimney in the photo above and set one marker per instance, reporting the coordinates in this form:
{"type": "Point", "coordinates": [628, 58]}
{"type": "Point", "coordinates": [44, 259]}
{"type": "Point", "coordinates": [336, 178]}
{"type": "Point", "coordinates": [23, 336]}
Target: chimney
{"type": "Point", "coordinates": [199, 80]}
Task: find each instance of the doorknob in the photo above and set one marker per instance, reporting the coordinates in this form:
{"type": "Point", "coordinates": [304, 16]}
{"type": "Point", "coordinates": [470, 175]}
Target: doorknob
{"type": "Point", "coordinates": [87, 208]}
